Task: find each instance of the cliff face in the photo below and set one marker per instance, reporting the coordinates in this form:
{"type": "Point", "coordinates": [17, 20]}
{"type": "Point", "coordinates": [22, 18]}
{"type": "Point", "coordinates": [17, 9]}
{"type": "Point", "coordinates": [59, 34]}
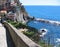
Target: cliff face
{"type": "Point", "coordinates": [23, 11]}
{"type": "Point", "coordinates": [24, 14]}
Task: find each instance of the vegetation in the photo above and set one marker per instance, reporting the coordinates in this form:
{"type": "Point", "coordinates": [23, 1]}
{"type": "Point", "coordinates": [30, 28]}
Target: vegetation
{"type": "Point", "coordinates": [28, 33]}
{"type": "Point", "coordinates": [31, 33]}
{"type": "Point", "coordinates": [20, 25]}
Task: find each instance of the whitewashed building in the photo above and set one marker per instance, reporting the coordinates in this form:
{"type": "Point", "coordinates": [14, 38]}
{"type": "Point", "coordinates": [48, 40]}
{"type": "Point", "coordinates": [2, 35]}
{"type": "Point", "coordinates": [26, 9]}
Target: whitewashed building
{"type": "Point", "coordinates": [11, 16]}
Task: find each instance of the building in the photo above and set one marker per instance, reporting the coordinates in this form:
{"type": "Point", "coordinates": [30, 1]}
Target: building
{"type": "Point", "coordinates": [11, 16]}
{"type": "Point", "coordinates": [14, 6]}
{"type": "Point", "coordinates": [2, 2]}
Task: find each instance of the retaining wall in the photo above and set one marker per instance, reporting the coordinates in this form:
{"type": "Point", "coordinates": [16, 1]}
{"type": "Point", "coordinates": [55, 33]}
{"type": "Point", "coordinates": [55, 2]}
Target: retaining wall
{"type": "Point", "coordinates": [19, 39]}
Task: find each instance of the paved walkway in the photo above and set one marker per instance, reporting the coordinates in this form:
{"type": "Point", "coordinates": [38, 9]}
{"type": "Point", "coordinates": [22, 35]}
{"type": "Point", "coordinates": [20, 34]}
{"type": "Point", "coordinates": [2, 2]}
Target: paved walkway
{"type": "Point", "coordinates": [5, 38]}
{"type": "Point", "coordinates": [3, 42]}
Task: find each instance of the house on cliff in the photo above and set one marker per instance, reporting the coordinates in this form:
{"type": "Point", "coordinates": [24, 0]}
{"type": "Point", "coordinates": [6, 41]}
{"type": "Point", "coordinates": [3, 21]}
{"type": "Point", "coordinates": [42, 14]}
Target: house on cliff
{"type": "Point", "coordinates": [11, 16]}
{"type": "Point", "coordinates": [16, 7]}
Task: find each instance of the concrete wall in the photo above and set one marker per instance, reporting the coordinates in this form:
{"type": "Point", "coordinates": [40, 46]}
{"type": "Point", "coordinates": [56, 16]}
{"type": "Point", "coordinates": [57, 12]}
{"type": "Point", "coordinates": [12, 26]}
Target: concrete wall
{"type": "Point", "coordinates": [19, 38]}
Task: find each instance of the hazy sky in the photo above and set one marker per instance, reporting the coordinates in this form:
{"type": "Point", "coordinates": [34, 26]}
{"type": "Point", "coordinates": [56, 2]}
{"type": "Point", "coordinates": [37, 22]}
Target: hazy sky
{"type": "Point", "coordinates": [40, 2]}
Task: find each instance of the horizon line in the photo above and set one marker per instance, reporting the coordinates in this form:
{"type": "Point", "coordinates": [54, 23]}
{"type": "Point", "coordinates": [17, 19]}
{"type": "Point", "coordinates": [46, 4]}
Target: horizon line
{"type": "Point", "coordinates": [41, 5]}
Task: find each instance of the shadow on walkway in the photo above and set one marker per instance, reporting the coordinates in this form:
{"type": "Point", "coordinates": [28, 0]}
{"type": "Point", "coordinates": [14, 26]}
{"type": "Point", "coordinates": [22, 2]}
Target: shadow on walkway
{"type": "Point", "coordinates": [9, 39]}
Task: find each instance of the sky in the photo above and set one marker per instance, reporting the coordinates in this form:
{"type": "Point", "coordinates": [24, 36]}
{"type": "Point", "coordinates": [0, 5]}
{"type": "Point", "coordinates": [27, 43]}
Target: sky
{"type": "Point", "coordinates": [40, 2]}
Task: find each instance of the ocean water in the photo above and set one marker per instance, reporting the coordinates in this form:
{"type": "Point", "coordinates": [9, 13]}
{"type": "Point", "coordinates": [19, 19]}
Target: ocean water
{"type": "Point", "coordinates": [46, 12]}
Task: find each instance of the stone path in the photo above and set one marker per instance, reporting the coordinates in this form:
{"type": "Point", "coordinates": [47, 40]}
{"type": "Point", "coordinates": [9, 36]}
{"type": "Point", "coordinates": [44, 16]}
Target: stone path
{"type": "Point", "coordinates": [5, 38]}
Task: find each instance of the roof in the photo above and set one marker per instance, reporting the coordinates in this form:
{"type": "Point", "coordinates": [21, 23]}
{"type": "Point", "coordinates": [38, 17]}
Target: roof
{"type": "Point", "coordinates": [10, 13]}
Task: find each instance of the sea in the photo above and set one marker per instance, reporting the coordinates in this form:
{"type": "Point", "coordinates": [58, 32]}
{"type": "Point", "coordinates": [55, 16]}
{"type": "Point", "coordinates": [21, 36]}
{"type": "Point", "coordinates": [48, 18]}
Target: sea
{"type": "Point", "coordinates": [48, 13]}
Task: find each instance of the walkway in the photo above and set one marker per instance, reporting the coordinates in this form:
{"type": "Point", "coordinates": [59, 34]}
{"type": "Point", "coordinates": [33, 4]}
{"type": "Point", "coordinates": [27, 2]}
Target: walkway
{"type": "Point", "coordinates": [5, 38]}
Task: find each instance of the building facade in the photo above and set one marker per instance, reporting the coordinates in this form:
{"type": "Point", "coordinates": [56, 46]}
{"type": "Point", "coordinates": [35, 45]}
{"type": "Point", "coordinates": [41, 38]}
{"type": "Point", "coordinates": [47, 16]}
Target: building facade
{"type": "Point", "coordinates": [15, 7]}
{"type": "Point", "coordinates": [2, 2]}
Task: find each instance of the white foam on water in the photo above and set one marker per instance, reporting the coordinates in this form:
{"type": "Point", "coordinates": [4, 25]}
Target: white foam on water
{"type": "Point", "coordinates": [58, 40]}
{"type": "Point", "coordinates": [44, 33]}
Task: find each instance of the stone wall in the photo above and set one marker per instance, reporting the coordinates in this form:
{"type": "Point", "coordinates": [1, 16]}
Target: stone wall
{"type": "Point", "coordinates": [19, 39]}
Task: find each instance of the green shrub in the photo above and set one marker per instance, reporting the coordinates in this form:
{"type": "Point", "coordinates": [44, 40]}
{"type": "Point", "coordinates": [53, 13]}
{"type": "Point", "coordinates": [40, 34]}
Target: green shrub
{"type": "Point", "coordinates": [17, 25]}
{"type": "Point", "coordinates": [22, 25]}
{"type": "Point", "coordinates": [8, 21]}
{"type": "Point", "coordinates": [13, 23]}
{"type": "Point", "coordinates": [31, 28]}
{"type": "Point", "coordinates": [29, 34]}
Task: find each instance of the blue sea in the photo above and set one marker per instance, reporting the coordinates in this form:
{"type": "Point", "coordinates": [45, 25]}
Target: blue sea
{"type": "Point", "coordinates": [46, 12]}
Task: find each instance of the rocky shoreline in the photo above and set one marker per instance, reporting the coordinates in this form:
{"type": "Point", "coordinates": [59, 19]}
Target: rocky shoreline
{"type": "Point", "coordinates": [47, 21]}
